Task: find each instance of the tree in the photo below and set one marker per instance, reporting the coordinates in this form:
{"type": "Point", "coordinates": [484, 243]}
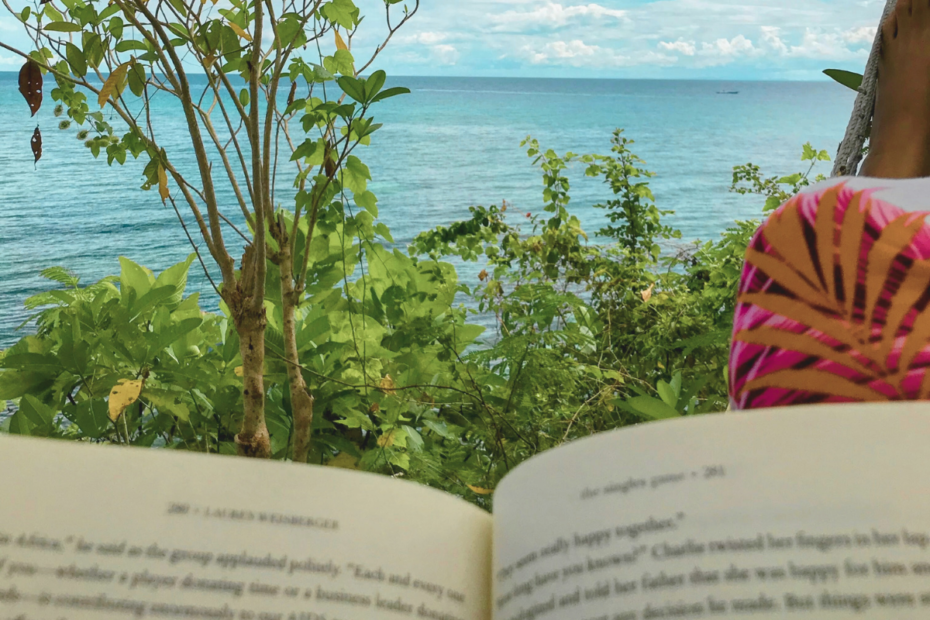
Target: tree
{"type": "Point", "coordinates": [238, 71]}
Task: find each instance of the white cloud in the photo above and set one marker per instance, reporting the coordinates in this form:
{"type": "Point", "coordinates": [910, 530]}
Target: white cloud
{"type": "Point", "coordinates": [553, 15]}
{"type": "Point", "coordinates": [865, 34]}
{"type": "Point", "coordinates": [577, 53]}
{"type": "Point", "coordinates": [424, 38]}
{"type": "Point", "coordinates": [771, 40]}
{"type": "Point", "coordinates": [682, 47]}
{"type": "Point", "coordinates": [445, 54]}
{"type": "Point", "coordinates": [10, 61]}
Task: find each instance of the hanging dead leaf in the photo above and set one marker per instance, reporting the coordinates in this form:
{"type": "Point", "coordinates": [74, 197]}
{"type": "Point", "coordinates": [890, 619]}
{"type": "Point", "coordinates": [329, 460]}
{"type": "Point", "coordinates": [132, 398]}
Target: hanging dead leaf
{"type": "Point", "coordinates": [114, 85]}
{"type": "Point", "coordinates": [30, 84]}
{"type": "Point", "coordinates": [375, 407]}
{"type": "Point", "coordinates": [483, 275]}
{"type": "Point", "coordinates": [125, 393]}
{"type": "Point", "coordinates": [344, 461]}
{"type": "Point", "coordinates": [292, 94]}
{"type": "Point", "coordinates": [36, 143]}
{"type": "Point", "coordinates": [386, 440]}
{"type": "Point", "coordinates": [387, 385]}
{"type": "Point", "coordinates": [340, 43]}
{"type": "Point", "coordinates": [239, 31]}
{"type": "Point", "coordinates": [647, 294]}
{"type": "Point", "coordinates": [162, 183]}
{"type": "Point", "coordinates": [479, 490]}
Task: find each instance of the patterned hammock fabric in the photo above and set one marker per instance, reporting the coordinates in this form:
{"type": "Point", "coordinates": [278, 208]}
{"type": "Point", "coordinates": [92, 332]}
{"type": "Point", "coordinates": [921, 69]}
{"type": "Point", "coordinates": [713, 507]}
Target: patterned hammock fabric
{"type": "Point", "coordinates": [833, 304]}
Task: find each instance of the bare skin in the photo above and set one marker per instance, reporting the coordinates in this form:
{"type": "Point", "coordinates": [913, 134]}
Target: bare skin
{"type": "Point", "coordinates": [900, 139]}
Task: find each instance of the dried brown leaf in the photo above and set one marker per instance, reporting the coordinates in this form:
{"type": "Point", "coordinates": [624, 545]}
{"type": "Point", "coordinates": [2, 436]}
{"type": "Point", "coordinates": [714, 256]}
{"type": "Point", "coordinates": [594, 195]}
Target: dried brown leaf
{"type": "Point", "coordinates": [30, 85]}
{"type": "Point", "coordinates": [36, 144]}
{"type": "Point", "coordinates": [340, 43]}
{"type": "Point", "coordinates": [114, 85]}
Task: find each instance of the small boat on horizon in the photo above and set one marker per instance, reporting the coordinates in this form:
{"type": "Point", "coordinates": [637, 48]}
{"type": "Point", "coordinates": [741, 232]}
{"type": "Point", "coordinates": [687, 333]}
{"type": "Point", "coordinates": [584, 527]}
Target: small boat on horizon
{"type": "Point", "coordinates": [727, 92]}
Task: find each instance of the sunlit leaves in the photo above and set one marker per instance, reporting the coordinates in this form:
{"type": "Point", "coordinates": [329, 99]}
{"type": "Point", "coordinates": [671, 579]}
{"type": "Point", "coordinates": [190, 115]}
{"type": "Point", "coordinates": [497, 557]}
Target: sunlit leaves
{"type": "Point", "coordinates": [240, 31]}
{"type": "Point", "coordinates": [163, 183]}
{"type": "Point", "coordinates": [114, 84]}
{"type": "Point", "coordinates": [122, 395]}
{"type": "Point", "coordinates": [340, 43]}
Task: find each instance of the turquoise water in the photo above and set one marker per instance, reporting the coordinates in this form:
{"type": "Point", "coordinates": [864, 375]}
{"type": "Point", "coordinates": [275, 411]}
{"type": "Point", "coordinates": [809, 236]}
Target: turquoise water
{"type": "Point", "coordinates": [451, 143]}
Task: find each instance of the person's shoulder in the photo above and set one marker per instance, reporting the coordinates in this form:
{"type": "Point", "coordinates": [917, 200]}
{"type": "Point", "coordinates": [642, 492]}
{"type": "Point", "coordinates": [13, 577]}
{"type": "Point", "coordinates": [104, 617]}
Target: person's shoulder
{"type": "Point", "coordinates": [908, 194]}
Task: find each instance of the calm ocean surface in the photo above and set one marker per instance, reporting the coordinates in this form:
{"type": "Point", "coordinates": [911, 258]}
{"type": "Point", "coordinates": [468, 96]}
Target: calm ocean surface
{"type": "Point", "coordinates": [452, 143]}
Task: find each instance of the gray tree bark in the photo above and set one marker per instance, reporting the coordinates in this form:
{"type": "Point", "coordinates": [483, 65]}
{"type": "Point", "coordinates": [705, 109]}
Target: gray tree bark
{"type": "Point", "coordinates": [849, 155]}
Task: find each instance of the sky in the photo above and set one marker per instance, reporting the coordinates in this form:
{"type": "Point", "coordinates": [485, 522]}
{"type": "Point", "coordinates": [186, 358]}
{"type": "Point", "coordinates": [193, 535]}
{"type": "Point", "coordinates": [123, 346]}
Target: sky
{"type": "Point", "coordinates": [653, 39]}
{"type": "Point", "coordinates": [672, 39]}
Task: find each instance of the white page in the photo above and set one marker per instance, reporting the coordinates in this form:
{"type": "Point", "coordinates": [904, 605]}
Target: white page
{"type": "Point", "coordinates": [801, 512]}
{"type": "Point", "coordinates": [96, 532]}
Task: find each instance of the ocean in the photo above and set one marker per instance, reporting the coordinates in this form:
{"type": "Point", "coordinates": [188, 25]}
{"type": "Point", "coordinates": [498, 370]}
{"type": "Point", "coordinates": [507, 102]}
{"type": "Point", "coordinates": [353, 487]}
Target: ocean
{"type": "Point", "coordinates": [450, 144]}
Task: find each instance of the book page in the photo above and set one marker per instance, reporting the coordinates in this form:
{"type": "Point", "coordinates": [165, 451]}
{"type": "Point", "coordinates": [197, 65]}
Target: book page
{"type": "Point", "coordinates": [801, 512]}
{"type": "Point", "coordinates": [97, 532]}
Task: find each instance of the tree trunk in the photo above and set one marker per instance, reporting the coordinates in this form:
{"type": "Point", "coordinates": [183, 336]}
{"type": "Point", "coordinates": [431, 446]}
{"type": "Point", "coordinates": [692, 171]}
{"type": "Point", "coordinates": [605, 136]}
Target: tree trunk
{"type": "Point", "coordinates": [301, 399]}
{"type": "Point", "coordinates": [850, 151]}
{"type": "Point", "coordinates": [253, 440]}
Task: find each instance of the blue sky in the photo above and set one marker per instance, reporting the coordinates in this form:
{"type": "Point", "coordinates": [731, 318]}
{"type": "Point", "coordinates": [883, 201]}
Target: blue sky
{"type": "Point", "coordinates": [674, 39]}
{"type": "Point", "coordinates": [696, 39]}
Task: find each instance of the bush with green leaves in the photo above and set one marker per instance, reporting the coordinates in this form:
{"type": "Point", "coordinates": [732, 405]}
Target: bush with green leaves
{"type": "Point", "coordinates": [589, 337]}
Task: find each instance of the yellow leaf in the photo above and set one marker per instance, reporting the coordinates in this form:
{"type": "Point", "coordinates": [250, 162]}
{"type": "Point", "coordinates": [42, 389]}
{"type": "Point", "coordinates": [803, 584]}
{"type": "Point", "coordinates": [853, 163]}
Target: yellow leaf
{"type": "Point", "coordinates": [344, 461]}
{"type": "Point", "coordinates": [647, 294]}
{"type": "Point", "coordinates": [238, 371]}
{"type": "Point", "coordinates": [386, 440]}
{"type": "Point", "coordinates": [114, 84]}
{"type": "Point", "coordinates": [340, 44]}
{"type": "Point", "coordinates": [122, 395]}
{"type": "Point", "coordinates": [239, 31]}
{"type": "Point", "coordinates": [483, 275]}
{"type": "Point", "coordinates": [162, 184]}
{"type": "Point", "coordinates": [387, 385]}
{"type": "Point", "coordinates": [479, 490]}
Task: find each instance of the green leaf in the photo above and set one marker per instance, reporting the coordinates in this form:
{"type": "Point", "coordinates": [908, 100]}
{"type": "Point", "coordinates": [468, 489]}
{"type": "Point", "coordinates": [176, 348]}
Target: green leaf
{"type": "Point", "coordinates": [175, 276]}
{"type": "Point", "coordinates": [306, 149]}
{"type": "Point", "coordinates": [353, 87]}
{"type": "Point", "coordinates": [341, 12]}
{"type": "Point", "coordinates": [133, 277]}
{"type": "Point", "coordinates": [92, 418]}
{"type": "Point", "coordinates": [367, 201]}
{"type": "Point", "coordinates": [129, 45]}
{"type": "Point", "coordinates": [846, 78]}
{"type": "Point", "coordinates": [374, 83]}
{"type": "Point", "coordinates": [652, 407]}
{"type": "Point", "coordinates": [40, 415]}
{"type": "Point", "coordinates": [137, 78]}
{"type": "Point", "coordinates": [390, 92]}
{"type": "Point", "coordinates": [667, 394]}
{"type": "Point", "coordinates": [168, 335]}
{"type": "Point", "coordinates": [62, 27]}
{"type": "Point", "coordinates": [76, 59]}
{"type": "Point", "coordinates": [244, 97]}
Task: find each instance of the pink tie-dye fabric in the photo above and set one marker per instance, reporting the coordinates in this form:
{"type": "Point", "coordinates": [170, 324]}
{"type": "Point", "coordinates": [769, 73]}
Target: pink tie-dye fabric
{"type": "Point", "coordinates": [833, 304]}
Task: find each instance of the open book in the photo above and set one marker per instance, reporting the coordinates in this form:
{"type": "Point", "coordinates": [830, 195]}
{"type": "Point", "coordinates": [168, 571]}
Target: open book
{"type": "Point", "coordinates": [813, 512]}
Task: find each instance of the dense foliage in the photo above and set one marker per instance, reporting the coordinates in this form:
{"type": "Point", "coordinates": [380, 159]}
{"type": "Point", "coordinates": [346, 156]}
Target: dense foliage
{"type": "Point", "coordinates": [588, 337]}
